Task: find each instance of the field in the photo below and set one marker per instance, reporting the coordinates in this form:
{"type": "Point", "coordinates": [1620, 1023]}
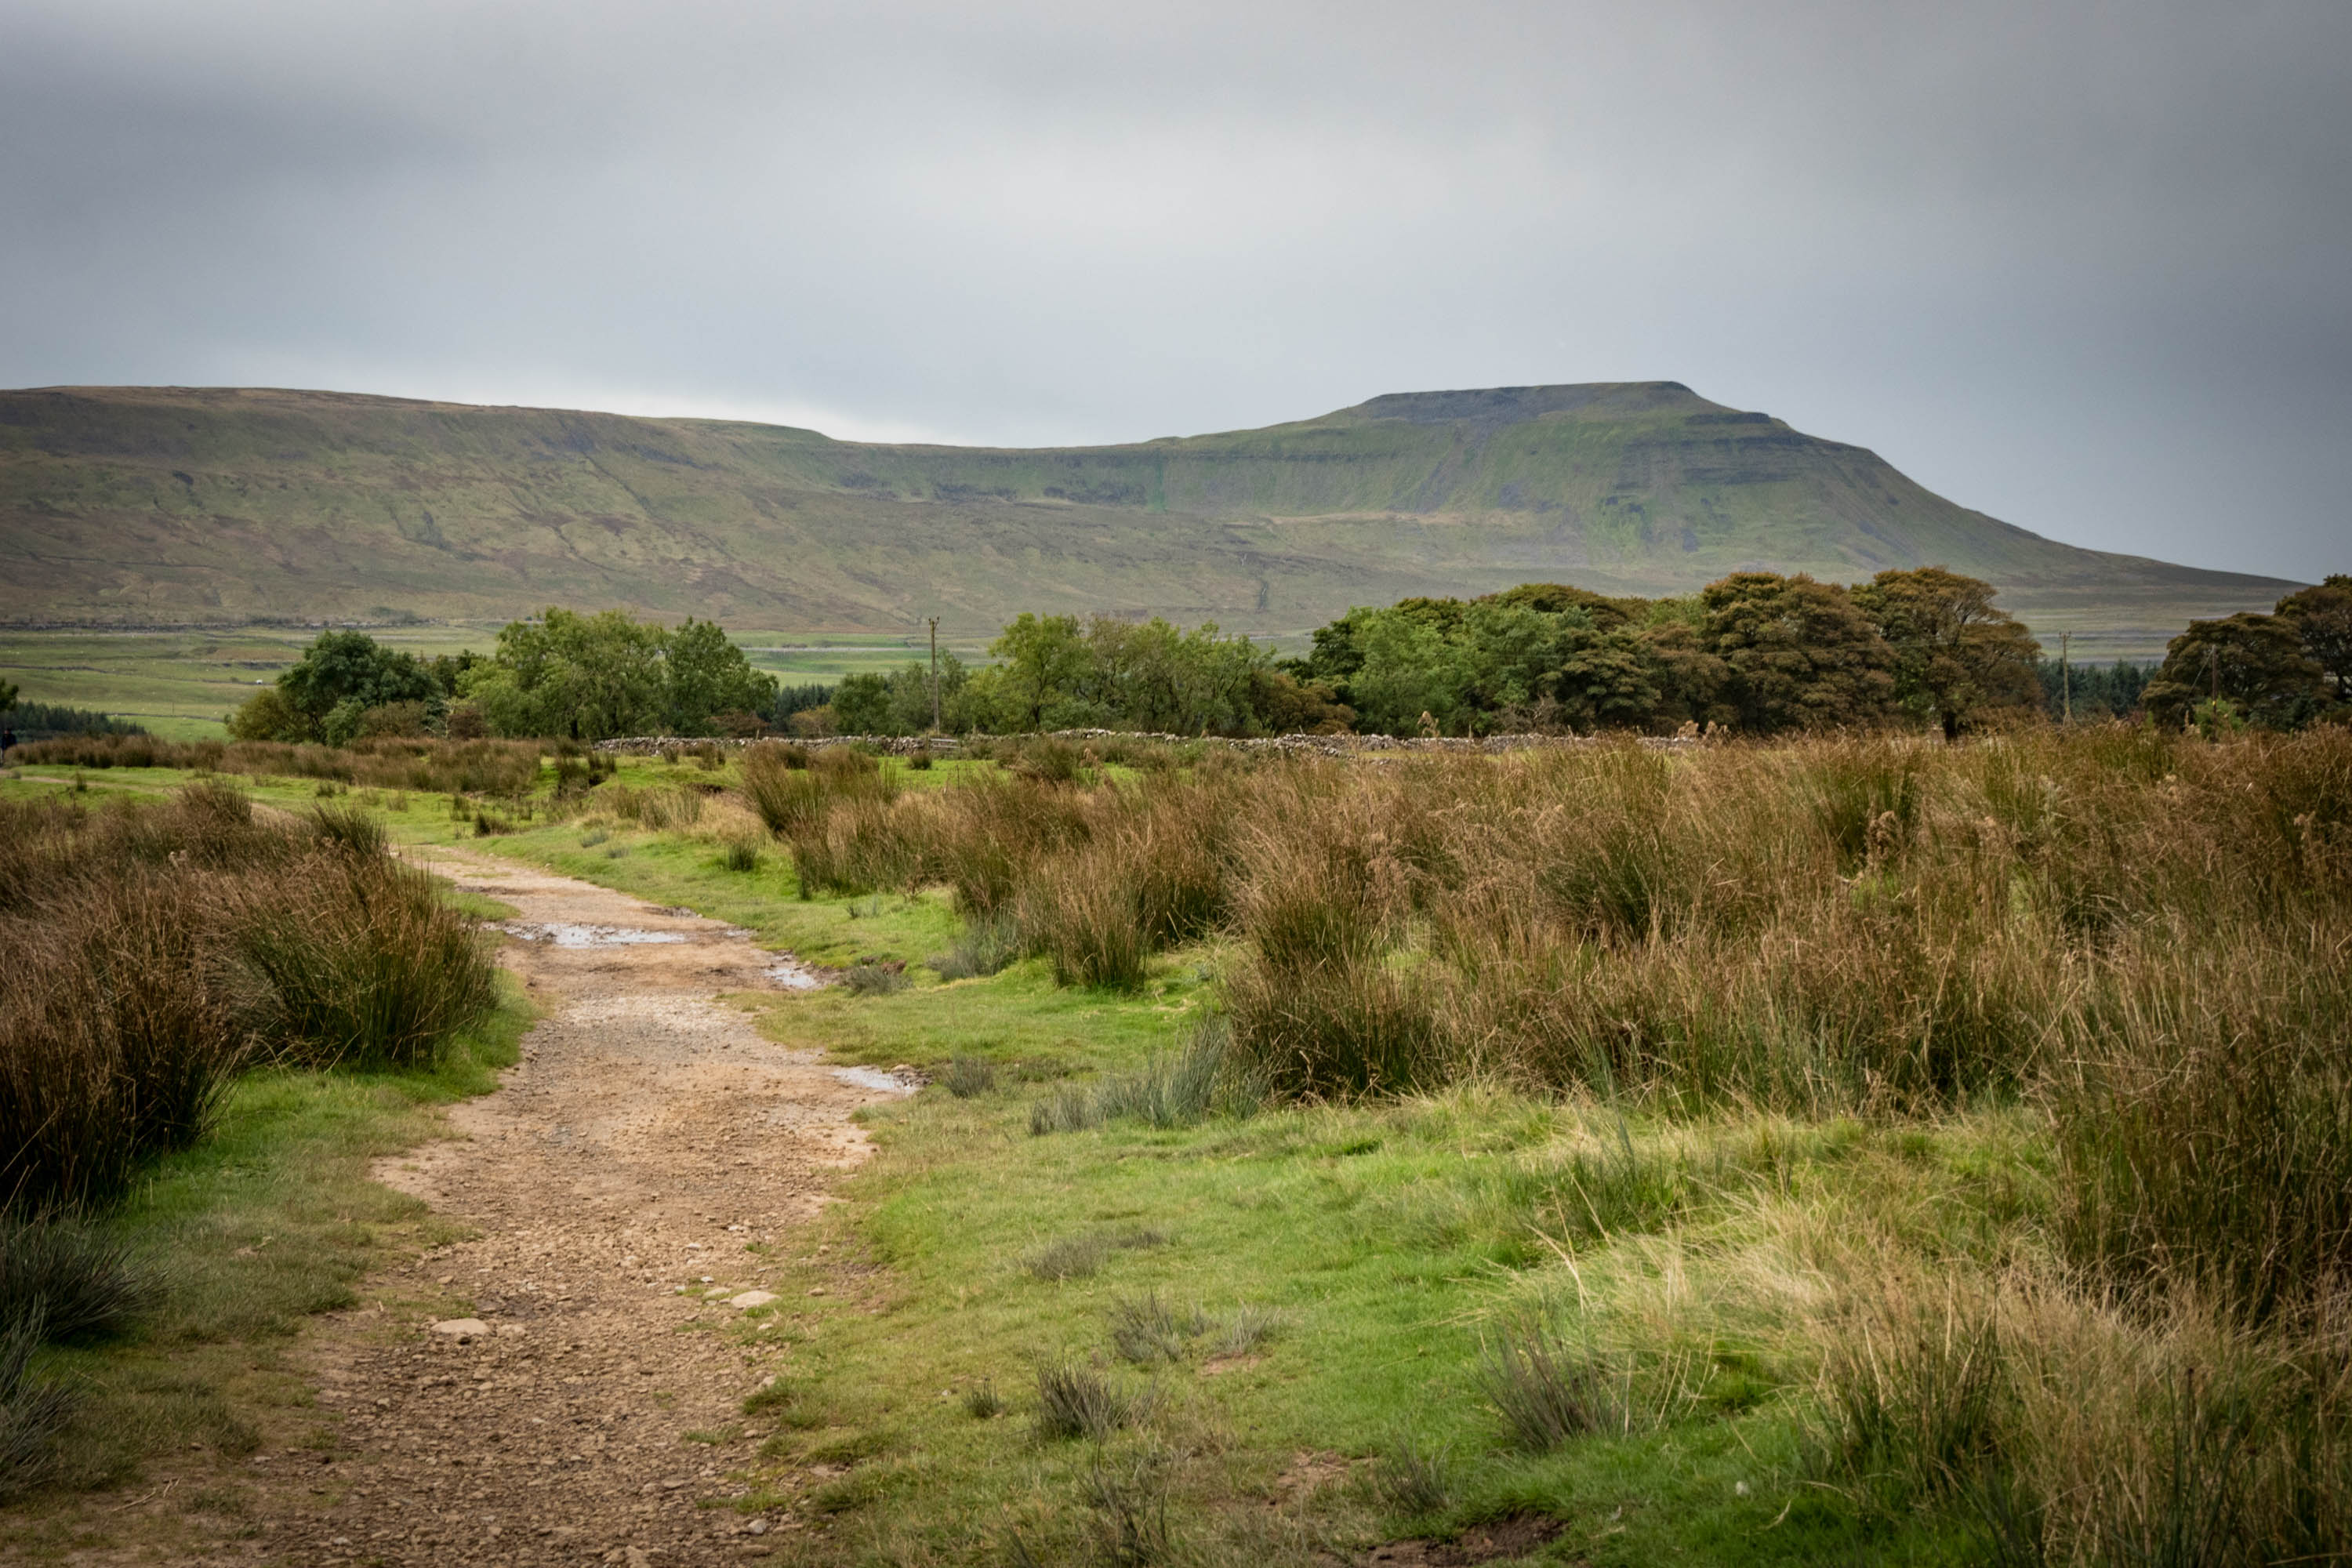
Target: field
{"type": "Point", "coordinates": [1847, 1151]}
{"type": "Point", "coordinates": [179, 684]}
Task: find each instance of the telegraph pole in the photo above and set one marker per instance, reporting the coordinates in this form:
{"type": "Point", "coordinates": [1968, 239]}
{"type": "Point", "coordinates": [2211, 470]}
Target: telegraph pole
{"type": "Point", "coordinates": [935, 672]}
{"type": "Point", "coordinates": [2066, 673]}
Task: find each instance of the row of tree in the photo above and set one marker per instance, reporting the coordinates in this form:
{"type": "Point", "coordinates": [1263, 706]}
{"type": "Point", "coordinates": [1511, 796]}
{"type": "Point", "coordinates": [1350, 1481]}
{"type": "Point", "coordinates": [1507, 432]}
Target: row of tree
{"type": "Point", "coordinates": [2281, 670]}
{"type": "Point", "coordinates": [1756, 653]}
{"type": "Point", "coordinates": [562, 674]}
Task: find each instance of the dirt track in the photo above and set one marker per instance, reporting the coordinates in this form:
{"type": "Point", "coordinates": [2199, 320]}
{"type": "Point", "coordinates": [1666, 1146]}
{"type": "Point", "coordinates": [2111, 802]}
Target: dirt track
{"type": "Point", "coordinates": [647, 1138]}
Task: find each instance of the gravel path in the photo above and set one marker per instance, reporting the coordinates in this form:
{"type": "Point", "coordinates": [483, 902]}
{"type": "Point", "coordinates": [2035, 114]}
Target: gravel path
{"type": "Point", "coordinates": [649, 1136]}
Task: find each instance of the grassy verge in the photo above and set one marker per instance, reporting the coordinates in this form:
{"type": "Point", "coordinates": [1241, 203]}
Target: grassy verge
{"type": "Point", "coordinates": [269, 1219]}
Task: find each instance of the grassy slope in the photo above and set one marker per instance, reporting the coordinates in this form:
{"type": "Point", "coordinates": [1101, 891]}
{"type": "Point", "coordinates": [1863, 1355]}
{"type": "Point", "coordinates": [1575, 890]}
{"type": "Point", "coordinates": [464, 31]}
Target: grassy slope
{"type": "Point", "coordinates": [1391, 1239]}
{"type": "Point", "coordinates": [171, 505]}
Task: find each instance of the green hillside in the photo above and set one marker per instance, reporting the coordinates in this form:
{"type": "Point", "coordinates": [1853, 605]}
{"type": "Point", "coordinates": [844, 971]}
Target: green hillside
{"type": "Point", "coordinates": [172, 506]}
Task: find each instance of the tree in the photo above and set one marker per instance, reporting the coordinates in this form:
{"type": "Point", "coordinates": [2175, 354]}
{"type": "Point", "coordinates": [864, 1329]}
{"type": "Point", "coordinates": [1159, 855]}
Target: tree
{"type": "Point", "coordinates": [1607, 679]}
{"type": "Point", "coordinates": [341, 677]}
{"type": "Point", "coordinates": [1958, 660]}
{"type": "Point", "coordinates": [8, 695]}
{"type": "Point", "coordinates": [1797, 654]}
{"type": "Point", "coordinates": [1285, 705]}
{"type": "Point", "coordinates": [2255, 662]}
{"type": "Point", "coordinates": [898, 703]}
{"type": "Point", "coordinates": [265, 716]}
{"type": "Point", "coordinates": [1410, 667]}
{"type": "Point", "coordinates": [704, 675]}
{"type": "Point", "coordinates": [2321, 615]}
{"type": "Point", "coordinates": [1045, 661]}
{"type": "Point", "coordinates": [1558, 598]}
{"type": "Point", "coordinates": [593, 677]}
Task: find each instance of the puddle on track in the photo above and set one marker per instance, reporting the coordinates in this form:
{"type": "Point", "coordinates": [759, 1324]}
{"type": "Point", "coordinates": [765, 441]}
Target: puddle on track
{"type": "Point", "coordinates": [564, 934]}
{"type": "Point", "coordinates": [874, 1078]}
{"type": "Point", "coordinates": [792, 975]}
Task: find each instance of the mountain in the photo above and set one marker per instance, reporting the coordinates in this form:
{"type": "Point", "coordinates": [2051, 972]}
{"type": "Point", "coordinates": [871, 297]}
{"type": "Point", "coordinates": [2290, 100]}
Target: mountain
{"type": "Point", "coordinates": [167, 505]}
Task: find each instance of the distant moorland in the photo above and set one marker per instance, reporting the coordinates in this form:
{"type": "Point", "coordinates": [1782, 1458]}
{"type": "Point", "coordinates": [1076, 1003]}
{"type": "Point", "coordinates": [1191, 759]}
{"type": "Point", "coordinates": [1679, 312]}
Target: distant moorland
{"type": "Point", "coordinates": [174, 508]}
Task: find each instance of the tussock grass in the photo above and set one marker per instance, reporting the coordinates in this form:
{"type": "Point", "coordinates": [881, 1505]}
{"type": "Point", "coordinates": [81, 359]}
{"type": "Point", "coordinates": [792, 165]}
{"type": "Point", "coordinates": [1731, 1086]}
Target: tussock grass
{"type": "Point", "coordinates": [1075, 1401]}
{"type": "Point", "coordinates": [873, 979]}
{"type": "Point", "coordinates": [1415, 1476]}
{"type": "Point", "coordinates": [986, 946]}
{"type": "Point", "coordinates": [33, 1410]}
{"type": "Point", "coordinates": [1071, 1257]}
{"type": "Point", "coordinates": [1545, 1390]}
{"type": "Point", "coordinates": [73, 1282]}
{"type": "Point", "coordinates": [158, 949]}
{"type": "Point", "coordinates": [1175, 1089]}
{"type": "Point", "coordinates": [969, 1075]}
{"type": "Point", "coordinates": [1145, 1331]}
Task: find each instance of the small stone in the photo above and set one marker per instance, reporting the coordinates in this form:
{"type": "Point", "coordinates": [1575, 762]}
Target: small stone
{"type": "Point", "coordinates": [510, 1329]}
{"type": "Point", "coordinates": [757, 1527]}
{"type": "Point", "coordinates": [750, 1299]}
{"type": "Point", "coordinates": [462, 1328]}
{"type": "Point", "coordinates": [819, 1290]}
{"type": "Point", "coordinates": [447, 1280]}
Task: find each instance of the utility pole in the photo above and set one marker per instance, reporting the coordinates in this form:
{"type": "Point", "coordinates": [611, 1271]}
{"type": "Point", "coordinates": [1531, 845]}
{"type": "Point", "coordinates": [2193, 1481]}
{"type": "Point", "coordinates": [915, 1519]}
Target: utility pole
{"type": "Point", "coordinates": [2066, 673]}
{"type": "Point", "coordinates": [935, 672]}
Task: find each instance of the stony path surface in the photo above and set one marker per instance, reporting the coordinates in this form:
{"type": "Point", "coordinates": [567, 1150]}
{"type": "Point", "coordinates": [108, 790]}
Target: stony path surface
{"type": "Point", "coordinates": [650, 1136]}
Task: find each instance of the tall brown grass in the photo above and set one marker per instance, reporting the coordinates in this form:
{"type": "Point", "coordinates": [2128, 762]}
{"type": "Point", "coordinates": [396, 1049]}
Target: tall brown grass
{"type": "Point", "coordinates": [2146, 934]}
{"type": "Point", "coordinates": [427, 766]}
{"type": "Point", "coordinates": [153, 951]}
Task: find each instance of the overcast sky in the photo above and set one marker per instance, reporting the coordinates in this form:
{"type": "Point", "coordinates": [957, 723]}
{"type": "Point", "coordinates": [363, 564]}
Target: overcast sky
{"type": "Point", "coordinates": [2082, 266]}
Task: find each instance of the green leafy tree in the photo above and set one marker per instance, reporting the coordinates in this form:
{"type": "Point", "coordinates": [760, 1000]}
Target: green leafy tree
{"type": "Point", "coordinates": [1152, 676]}
{"type": "Point", "coordinates": [1411, 668]}
{"type": "Point", "coordinates": [1045, 664]}
{"type": "Point", "coordinates": [2255, 663]}
{"type": "Point", "coordinates": [1797, 654]}
{"type": "Point", "coordinates": [1691, 676]}
{"type": "Point", "coordinates": [341, 677]}
{"type": "Point", "coordinates": [265, 716]}
{"type": "Point", "coordinates": [1607, 679]}
{"type": "Point", "coordinates": [1560, 599]}
{"type": "Point", "coordinates": [2321, 615]}
{"type": "Point", "coordinates": [898, 703]}
{"type": "Point", "coordinates": [593, 676]}
{"type": "Point", "coordinates": [704, 675]}
{"type": "Point", "coordinates": [8, 695]}
{"type": "Point", "coordinates": [1512, 654]}
{"type": "Point", "coordinates": [1285, 705]}
{"type": "Point", "coordinates": [1958, 660]}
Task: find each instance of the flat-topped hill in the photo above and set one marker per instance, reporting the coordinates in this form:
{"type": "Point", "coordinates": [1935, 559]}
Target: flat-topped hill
{"type": "Point", "coordinates": [158, 505]}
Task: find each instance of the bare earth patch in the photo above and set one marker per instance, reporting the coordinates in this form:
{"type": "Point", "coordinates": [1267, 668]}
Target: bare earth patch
{"type": "Point", "coordinates": [649, 1136]}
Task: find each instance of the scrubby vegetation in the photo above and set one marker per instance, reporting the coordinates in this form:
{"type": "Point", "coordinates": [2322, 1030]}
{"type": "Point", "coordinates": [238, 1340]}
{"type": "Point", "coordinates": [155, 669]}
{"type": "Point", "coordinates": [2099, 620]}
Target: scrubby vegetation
{"type": "Point", "coordinates": [1947, 1143]}
{"type": "Point", "coordinates": [423, 765]}
{"type": "Point", "coordinates": [2138, 941]}
{"type": "Point", "coordinates": [153, 953]}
